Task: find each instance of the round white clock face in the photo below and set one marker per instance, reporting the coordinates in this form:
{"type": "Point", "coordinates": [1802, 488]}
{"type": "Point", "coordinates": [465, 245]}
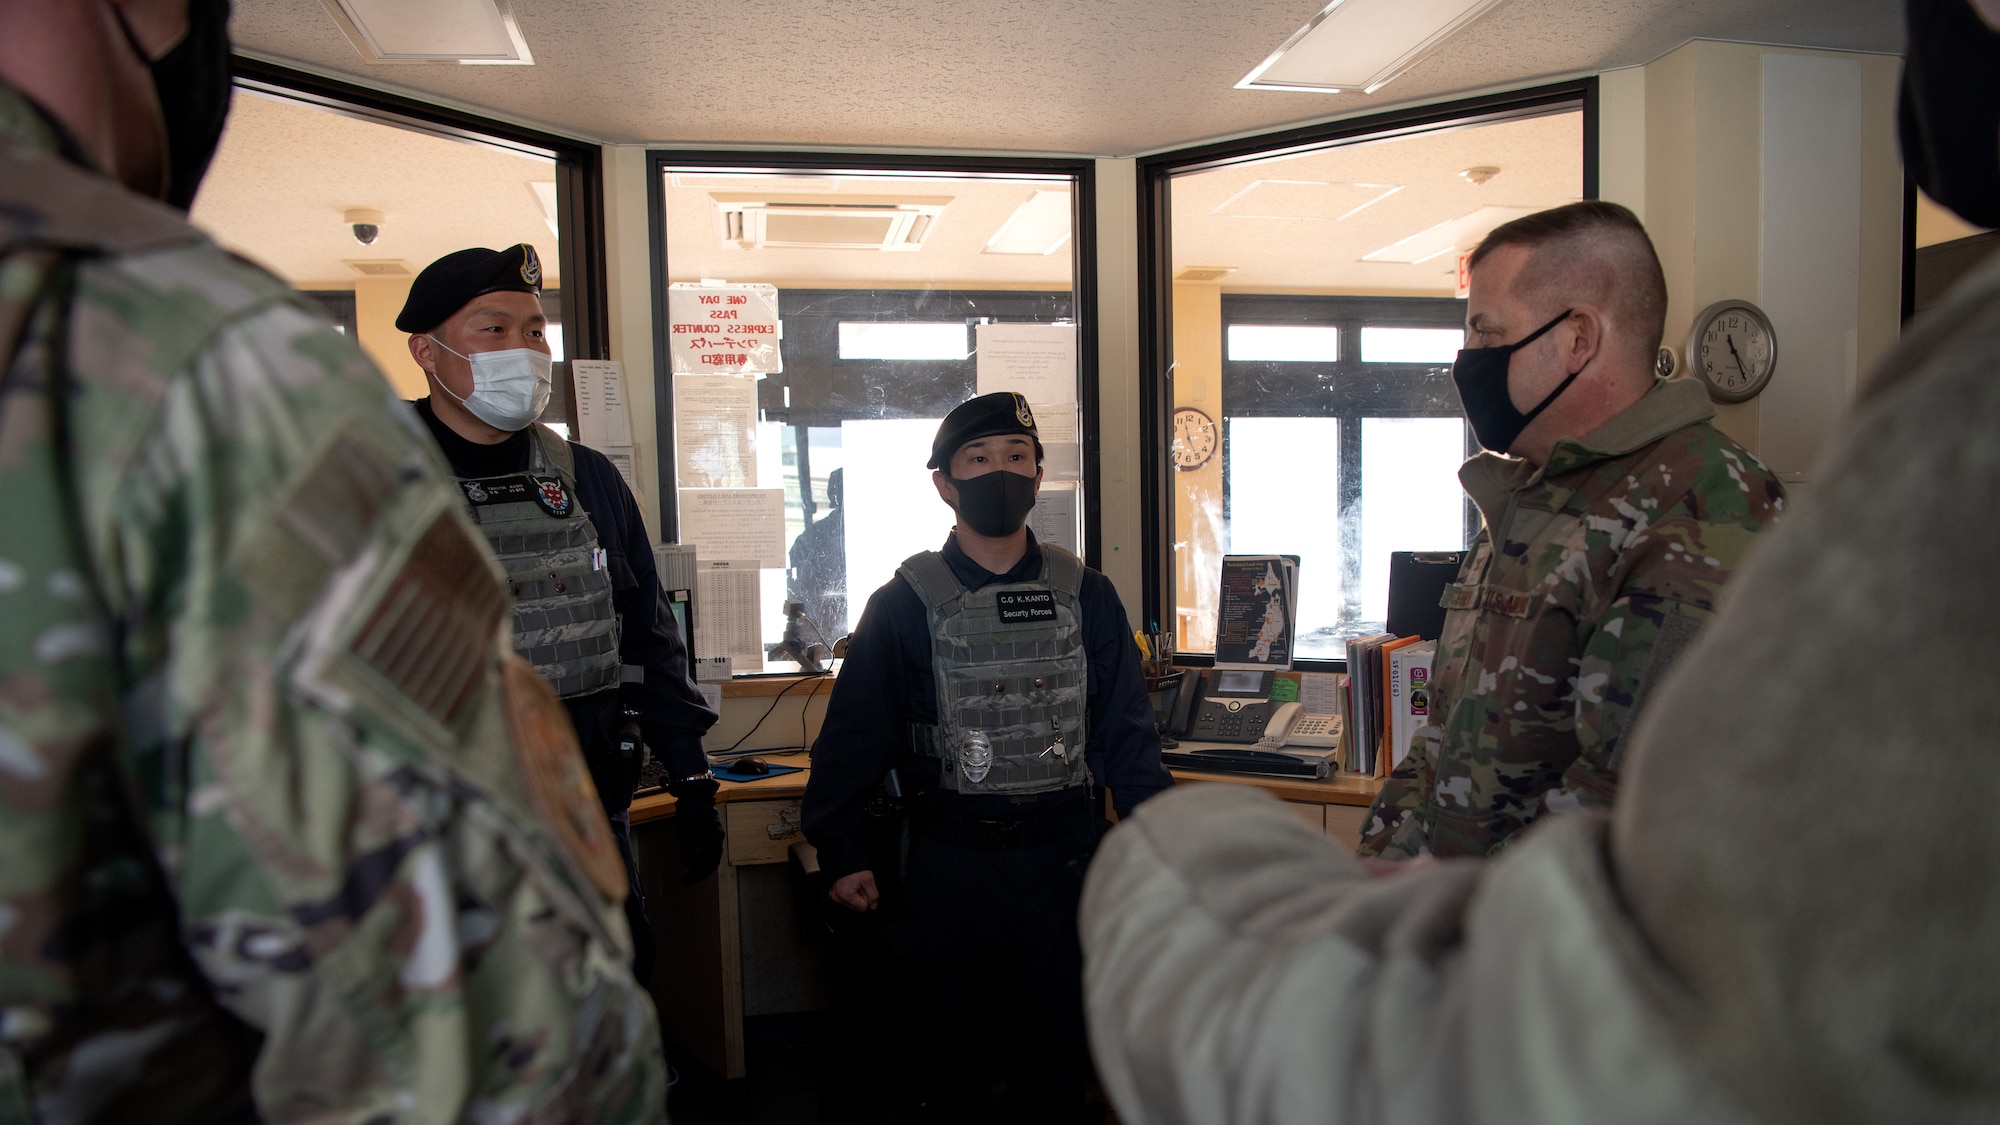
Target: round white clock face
{"type": "Point", "coordinates": [1733, 350]}
{"type": "Point", "coordinates": [1194, 438]}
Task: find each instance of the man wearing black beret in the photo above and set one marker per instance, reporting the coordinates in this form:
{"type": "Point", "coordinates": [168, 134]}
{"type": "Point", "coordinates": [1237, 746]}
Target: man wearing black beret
{"type": "Point", "coordinates": [588, 611]}
{"type": "Point", "coordinates": [998, 678]}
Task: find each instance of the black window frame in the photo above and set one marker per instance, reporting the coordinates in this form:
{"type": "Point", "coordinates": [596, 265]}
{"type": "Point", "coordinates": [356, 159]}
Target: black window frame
{"type": "Point", "coordinates": [580, 252]}
{"type": "Point", "coordinates": [1083, 286]}
{"type": "Point", "coordinates": [1155, 174]}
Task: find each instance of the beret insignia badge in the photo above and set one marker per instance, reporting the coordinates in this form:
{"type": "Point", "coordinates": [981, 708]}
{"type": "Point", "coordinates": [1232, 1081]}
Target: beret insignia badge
{"type": "Point", "coordinates": [1021, 412]}
{"type": "Point", "coordinates": [531, 266]}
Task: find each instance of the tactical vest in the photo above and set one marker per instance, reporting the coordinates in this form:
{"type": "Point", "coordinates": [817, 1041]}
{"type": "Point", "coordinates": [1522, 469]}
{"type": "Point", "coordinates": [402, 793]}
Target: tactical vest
{"type": "Point", "coordinates": [1011, 674]}
{"type": "Point", "coordinates": [564, 622]}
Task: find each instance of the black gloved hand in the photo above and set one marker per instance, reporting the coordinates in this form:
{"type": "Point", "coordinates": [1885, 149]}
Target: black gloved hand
{"type": "Point", "coordinates": [699, 826]}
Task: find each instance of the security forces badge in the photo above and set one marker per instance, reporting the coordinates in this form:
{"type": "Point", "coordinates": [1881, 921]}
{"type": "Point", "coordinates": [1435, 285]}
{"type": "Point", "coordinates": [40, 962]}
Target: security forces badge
{"type": "Point", "coordinates": [1021, 412]}
{"type": "Point", "coordinates": [531, 266]}
{"type": "Point", "coordinates": [553, 497]}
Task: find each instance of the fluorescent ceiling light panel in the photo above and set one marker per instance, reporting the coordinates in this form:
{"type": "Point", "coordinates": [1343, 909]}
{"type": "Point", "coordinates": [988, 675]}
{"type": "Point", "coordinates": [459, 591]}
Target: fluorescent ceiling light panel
{"type": "Point", "coordinates": [1462, 233]}
{"type": "Point", "coordinates": [1303, 199]}
{"type": "Point", "coordinates": [1038, 226]}
{"type": "Point", "coordinates": [1410, 345]}
{"type": "Point", "coordinates": [464, 31]}
{"type": "Point", "coordinates": [1284, 343]}
{"type": "Point", "coordinates": [1362, 44]}
{"type": "Point", "coordinates": [867, 339]}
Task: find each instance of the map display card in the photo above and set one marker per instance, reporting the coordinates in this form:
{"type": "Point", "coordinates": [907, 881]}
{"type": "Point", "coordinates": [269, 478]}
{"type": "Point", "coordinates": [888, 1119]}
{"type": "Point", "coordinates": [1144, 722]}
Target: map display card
{"type": "Point", "coordinates": [1257, 613]}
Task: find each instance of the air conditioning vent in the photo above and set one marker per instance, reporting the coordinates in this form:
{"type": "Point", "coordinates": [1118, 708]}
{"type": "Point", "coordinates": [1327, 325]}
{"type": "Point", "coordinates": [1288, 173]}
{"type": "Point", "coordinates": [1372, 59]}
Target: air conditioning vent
{"type": "Point", "coordinates": [756, 222]}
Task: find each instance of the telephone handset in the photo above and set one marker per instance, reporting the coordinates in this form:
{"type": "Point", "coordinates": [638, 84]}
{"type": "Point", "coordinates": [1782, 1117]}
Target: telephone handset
{"type": "Point", "coordinates": [1292, 725]}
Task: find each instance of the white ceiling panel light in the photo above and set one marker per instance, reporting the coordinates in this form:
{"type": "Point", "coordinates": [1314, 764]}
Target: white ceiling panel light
{"type": "Point", "coordinates": [1361, 44]}
{"type": "Point", "coordinates": [1303, 199]}
{"type": "Point", "coordinates": [1462, 233]}
{"type": "Point", "coordinates": [1038, 226]}
{"type": "Point", "coordinates": [479, 32]}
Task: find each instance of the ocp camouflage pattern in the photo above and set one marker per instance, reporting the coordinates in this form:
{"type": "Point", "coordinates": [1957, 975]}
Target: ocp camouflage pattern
{"type": "Point", "coordinates": [1607, 564]}
{"type": "Point", "coordinates": [266, 850]}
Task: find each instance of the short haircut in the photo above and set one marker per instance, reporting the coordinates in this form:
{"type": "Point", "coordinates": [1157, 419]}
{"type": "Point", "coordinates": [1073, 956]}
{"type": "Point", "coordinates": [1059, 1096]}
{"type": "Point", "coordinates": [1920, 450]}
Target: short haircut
{"type": "Point", "coordinates": [1593, 253]}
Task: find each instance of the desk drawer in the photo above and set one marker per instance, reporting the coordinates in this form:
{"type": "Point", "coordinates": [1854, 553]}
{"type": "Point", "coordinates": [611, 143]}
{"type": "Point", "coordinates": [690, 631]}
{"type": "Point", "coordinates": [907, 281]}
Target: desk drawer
{"type": "Point", "coordinates": [761, 831]}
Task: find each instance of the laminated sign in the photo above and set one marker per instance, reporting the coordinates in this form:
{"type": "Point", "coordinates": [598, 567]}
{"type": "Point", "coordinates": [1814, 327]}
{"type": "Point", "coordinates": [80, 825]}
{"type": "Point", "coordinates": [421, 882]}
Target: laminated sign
{"type": "Point", "coordinates": [723, 329]}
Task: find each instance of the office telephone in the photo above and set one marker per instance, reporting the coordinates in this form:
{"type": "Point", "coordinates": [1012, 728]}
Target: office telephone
{"type": "Point", "coordinates": [1292, 725]}
{"type": "Point", "coordinates": [1229, 705]}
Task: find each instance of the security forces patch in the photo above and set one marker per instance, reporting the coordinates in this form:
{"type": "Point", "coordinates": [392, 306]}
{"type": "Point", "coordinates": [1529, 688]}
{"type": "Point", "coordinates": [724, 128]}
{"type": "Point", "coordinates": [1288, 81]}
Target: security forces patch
{"type": "Point", "coordinates": [531, 266]}
{"type": "Point", "coordinates": [1021, 412]}
{"type": "Point", "coordinates": [552, 496]}
{"type": "Point", "coordinates": [1023, 607]}
{"type": "Point", "coordinates": [497, 490]}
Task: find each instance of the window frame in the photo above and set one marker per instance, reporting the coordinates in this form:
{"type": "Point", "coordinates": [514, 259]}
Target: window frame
{"type": "Point", "coordinates": [580, 252]}
{"type": "Point", "coordinates": [1083, 292]}
{"type": "Point", "coordinates": [1155, 174]}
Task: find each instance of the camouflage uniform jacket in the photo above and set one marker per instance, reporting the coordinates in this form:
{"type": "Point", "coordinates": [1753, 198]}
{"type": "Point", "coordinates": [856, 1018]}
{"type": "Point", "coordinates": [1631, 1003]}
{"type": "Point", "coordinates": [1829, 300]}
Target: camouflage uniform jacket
{"type": "Point", "coordinates": [1589, 579]}
{"type": "Point", "coordinates": [282, 837]}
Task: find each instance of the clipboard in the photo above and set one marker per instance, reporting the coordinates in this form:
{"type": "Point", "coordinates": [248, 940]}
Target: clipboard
{"type": "Point", "coordinates": [1416, 584]}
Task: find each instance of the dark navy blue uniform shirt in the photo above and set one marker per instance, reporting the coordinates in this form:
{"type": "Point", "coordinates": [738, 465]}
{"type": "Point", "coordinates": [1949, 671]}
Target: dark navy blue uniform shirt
{"type": "Point", "coordinates": [886, 683]}
{"type": "Point", "coordinates": [672, 714]}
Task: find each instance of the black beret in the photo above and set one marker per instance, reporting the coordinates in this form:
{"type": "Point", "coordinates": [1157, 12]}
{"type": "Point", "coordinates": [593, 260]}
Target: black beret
{"type": "Point", "coordinates": [448, 283]}
{"type": "Point", "coordinates": [1002, 412]}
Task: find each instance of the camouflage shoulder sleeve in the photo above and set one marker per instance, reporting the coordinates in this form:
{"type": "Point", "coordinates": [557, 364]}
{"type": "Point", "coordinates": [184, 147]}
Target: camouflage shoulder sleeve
{"type": "Point", "coordinates": [1392, 829]}
{"type": "Point", "coordinates": [385, 857]}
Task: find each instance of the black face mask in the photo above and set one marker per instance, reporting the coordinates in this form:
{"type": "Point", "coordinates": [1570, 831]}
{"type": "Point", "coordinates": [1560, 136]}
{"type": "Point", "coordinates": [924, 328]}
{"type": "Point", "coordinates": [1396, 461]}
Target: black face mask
{"type": "Point", "coordinates": [192, 82]}
{"type": "Point", "coordinates": [1481, 377]}
{"type": "Point", "coordinates": [1950, 112]}
{"type": "Point", "coordinates": [995, 504]}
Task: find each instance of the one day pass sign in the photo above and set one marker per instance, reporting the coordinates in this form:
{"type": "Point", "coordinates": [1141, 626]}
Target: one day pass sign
{"type": "Point", "coordinates": [723, 329]}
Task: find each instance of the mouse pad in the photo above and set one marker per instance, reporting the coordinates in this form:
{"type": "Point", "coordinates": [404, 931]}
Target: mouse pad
{"type": "Point", "coordinates": [731, 773]}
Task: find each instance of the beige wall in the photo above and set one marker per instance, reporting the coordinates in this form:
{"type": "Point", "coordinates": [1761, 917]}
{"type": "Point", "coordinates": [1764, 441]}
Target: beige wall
{"type": "Point", "coordinates": [377, 300]}
{"type": "Point", "coordinates": [1197, 493]}
{"type": "Point", "coordinates": [1680, 142]}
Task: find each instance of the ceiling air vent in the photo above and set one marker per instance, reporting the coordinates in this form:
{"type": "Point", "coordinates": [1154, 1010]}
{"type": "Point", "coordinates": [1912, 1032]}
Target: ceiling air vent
{"type": "Point", "coordinates": [378, 267]}
{"type": "Point", "coordinates": [856, 222]}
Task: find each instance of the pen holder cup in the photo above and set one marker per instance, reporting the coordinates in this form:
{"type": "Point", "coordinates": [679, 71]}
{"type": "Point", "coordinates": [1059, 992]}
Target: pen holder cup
{"type": "Point", "coordinates": [1165, 691]}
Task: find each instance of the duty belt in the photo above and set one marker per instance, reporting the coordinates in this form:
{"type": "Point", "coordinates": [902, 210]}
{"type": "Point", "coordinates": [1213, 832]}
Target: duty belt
{"type": "Point", "coordinates": [1062, 820]}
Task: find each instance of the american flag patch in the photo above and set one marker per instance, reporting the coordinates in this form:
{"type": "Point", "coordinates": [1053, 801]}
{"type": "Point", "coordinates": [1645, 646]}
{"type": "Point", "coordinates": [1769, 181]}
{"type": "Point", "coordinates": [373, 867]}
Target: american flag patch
{"type": "Point", "coordinates": [431, 634]}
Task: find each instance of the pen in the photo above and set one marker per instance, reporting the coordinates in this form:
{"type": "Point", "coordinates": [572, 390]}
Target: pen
{"type": "Point", "coordinates": [1145, 650]}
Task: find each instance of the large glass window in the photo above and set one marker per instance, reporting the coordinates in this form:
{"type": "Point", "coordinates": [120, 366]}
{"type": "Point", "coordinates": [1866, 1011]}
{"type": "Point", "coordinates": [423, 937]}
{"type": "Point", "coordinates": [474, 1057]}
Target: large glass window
{"type": "Point", "coordinates": [1314, 310]}
{"type": "Point", "coordinates": [817, 323]}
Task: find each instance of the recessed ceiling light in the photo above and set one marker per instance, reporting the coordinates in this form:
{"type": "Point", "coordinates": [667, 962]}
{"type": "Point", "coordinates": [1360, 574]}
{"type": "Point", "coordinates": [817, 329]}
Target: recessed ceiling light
{"type": "Point", "coordinates": [1203, 273]}
{"type": "Point", "coordinates": [462, 31]}
{"type": "Point", "coordinates": [1038, 226]}
{"type": "Point", "coordinates": [1479, 175]}
{"type": "Point", "coordinates": [1303, 199]}
{"type": "Point", "coordinates": [378, 267]}
{"type": "Point", "coordinates": [1361, 44]}
{"type": "Point", "coordinates": [1461, 233]}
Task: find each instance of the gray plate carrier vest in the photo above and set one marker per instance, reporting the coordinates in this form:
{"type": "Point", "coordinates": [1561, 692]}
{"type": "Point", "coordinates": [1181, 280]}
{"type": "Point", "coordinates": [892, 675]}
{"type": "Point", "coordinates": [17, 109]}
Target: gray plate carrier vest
{"type": "Point", "coordinates": [564, 622]}
{"type": "Point", "coordinates": [1011, 670]}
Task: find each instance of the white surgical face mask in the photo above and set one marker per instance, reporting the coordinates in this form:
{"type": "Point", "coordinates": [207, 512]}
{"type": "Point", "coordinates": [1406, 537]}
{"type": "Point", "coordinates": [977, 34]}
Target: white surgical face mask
{"type": "Point", "coordinates": [509, 389]}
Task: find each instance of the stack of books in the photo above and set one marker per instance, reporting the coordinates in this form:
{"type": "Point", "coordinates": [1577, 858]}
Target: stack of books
{"type": "Point", "coordinates": [1388, 697]}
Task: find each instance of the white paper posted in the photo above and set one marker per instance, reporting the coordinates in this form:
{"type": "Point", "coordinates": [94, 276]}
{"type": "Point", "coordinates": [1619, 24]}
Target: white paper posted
{"type": "Point", "coordinates": [716, 430]}
{"type": "Point", "coordinates": [1319, 693]}
{"type": "Point", "coordinates": [735, 523]}
{"type": "Point", "coordinates": [1035, 360]}
{"type": "Point", "coordinates": [1053, 518]}
{"type": "Point", "coordinates": [726, 610]}
{"type": "Point", "coordinates": [622, 459]}
{"type": "Point", "coordinates": [601, 415]}
{"type": "Point", "coordinates": [718, 328]}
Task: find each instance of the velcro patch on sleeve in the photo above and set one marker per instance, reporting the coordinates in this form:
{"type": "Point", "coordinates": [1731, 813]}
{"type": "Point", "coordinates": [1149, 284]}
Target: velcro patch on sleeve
{"type": "Point", "coordinates": [431, 632]}
{"type": "Point", "coordinates": [552, 762]}
{"type": "Point", "coordinates": [324, 519]}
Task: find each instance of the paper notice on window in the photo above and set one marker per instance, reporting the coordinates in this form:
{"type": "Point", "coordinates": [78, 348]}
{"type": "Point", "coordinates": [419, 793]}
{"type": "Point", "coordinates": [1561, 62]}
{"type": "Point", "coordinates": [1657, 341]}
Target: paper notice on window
{"type": "Point", "coordinates": [735, 523]}
{"type": "Point", "coordinates": [602, 418]}
{"type": "Point", "coordinates": [726, 610]}
{"type": "Point", "coordinates": [625, 461]}
{"type": "Point", "coordinates": [1035, 360]}
{"type": "Point", "coordinates": [713, 329]}
{"type": "Point", "coordinates": [1053, 518]}
{"type": "Point", "coordinates": [715, 430]}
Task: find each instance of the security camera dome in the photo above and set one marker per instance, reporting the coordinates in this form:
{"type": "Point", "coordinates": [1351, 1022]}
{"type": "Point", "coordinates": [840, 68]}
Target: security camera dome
{"type": "Point", "coordinates": [366, 224]}
{"type": "Point", "coordinates": [365, 233]}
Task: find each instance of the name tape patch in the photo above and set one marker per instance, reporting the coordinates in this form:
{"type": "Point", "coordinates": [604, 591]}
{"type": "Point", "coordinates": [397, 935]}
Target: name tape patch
{"type": "Point", "coordinates": [1027, 606]}
{"type": "Point", "coordinates": [498, 490]}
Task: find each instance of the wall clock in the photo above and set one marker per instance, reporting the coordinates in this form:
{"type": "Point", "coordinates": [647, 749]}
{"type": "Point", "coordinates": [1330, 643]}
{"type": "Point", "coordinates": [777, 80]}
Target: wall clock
{"type": "Point", "coordinates": [1733, 350]}
{"type": "Point", "coordinates": [1194, 439]}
